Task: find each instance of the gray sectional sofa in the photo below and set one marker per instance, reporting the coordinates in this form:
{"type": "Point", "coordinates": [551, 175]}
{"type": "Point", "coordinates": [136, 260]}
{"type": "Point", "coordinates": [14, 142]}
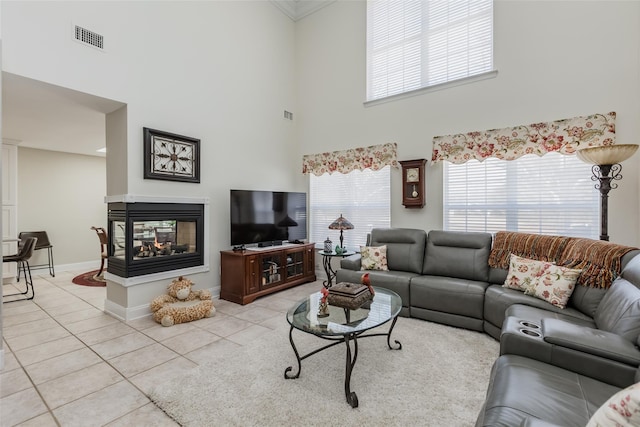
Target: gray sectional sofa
{"type": "Point", "coordinates": [579, 355]}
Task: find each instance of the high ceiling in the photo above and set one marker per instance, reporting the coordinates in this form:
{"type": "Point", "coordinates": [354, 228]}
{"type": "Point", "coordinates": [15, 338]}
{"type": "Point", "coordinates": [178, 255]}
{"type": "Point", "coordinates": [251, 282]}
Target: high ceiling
{"type": "Point", "coordinates": [47, 117]}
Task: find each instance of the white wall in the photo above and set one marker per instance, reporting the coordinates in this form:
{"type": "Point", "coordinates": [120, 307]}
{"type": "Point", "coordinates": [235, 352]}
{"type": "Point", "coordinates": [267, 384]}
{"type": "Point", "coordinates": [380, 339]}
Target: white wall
{"type": "Point", "coordinates": [1, 253]}
{"type": "Point", "coordinates": [555, 60]}
{"type": "Point", "coordinates": [220, 71]}
{"type": "Point", "coordinates": [224, 71]}
{"type": "Point", "coordinates": [62, 194]}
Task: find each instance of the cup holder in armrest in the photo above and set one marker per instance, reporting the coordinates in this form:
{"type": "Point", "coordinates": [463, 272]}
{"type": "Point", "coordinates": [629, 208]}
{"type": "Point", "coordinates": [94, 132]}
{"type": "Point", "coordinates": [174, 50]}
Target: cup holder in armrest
{"type": "Point", "coordinates": [529, 324]}
{"type": "Point", "coordinates": [530, 333]}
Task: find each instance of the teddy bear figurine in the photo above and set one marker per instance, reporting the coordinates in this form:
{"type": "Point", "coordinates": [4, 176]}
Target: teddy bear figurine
{"type": "Point", "coordinates": [182, 304]}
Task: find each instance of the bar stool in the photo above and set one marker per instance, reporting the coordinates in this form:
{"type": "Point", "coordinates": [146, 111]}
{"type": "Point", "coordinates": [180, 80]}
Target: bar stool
{"type": "Point", "coordinates": [22, 259]}
{"type": "Point", "coordinates": [43, 243]}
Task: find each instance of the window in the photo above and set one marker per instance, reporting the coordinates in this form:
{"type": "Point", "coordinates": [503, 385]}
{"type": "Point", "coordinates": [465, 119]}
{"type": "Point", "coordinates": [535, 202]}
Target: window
{"type": "Point", "coordinates": [363, 197]}
{"type": "Point", "coordinates": [552, 194]}
{"type": "Point", "coordinates": [413, 44]}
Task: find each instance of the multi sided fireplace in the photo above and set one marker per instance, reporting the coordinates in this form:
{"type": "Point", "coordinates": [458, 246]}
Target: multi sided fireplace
{"type": "Point", "coordinates": [147, 238]}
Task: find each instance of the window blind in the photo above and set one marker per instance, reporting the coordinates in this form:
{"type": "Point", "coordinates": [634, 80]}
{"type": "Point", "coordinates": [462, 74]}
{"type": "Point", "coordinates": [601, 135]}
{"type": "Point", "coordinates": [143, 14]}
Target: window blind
{"type": "Point", "coordinates": [413, 44]}
{"type": "Point", "coordinates": [363, 197]}
{"type": "Point", "coordinates": [552, 194]}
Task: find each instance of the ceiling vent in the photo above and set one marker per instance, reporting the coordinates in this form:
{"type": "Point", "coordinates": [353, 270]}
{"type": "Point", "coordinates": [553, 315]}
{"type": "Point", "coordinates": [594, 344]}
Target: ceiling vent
{"type": "Point", "coordinates": [88, 37]}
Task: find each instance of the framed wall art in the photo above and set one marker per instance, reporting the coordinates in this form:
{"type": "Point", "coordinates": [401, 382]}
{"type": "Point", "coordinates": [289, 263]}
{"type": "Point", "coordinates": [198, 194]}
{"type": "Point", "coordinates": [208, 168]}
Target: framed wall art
{"type": "Point", "coordinates": [171, 157]}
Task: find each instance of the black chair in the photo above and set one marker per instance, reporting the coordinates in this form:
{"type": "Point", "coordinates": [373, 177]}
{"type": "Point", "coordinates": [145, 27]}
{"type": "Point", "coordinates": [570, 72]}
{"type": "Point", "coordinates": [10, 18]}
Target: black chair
{"type": "Point", "coordinates": [43, 243]}
{"type": "Point", "coordinates": [22, 259]}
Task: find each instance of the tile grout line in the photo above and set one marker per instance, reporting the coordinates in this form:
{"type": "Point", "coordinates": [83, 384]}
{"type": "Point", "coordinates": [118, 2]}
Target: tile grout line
{"type": "Point", "coordinates": [140, 330]}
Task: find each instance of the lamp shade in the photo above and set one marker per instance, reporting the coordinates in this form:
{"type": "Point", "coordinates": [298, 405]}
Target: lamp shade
{"type": "Point", "coordinates": [341, 224]}
{"type": "Point", "coordinates": [287, 221]}
{"type": "Point", "coordinates": [607, 154]}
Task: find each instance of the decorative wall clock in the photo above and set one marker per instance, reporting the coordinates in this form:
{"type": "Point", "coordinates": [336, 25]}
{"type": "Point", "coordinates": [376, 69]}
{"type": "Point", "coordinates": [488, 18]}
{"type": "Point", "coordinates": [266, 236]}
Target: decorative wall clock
{"type": "Point", "coordinates": [171, 157]}
{"type": "Point", "coordinates": [413, 183]}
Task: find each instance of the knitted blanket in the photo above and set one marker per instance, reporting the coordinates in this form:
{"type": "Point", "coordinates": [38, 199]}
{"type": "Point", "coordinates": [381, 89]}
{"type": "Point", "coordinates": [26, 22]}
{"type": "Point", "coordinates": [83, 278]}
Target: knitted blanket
{"type": "Point", "coordinates": [600, 261]}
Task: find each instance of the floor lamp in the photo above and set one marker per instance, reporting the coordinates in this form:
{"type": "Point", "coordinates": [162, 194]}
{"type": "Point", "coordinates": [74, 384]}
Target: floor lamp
{"type": "Point", "coordinates": [606, 168]}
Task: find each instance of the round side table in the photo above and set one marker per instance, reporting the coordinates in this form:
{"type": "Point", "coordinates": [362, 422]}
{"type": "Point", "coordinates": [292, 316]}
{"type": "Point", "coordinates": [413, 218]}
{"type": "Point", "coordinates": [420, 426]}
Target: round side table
{"type": "Point", "coordinates": [326, 263]}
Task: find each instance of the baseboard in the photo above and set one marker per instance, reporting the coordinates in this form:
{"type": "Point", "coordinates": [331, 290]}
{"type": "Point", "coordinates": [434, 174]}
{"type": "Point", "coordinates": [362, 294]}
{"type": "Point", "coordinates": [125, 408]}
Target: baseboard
{"type": "Point", "coordinates": [126, 314]}
{"type": "Point", "coordinates": [43, 270]}
{"type": "Point", "coordinates": [80, 266]}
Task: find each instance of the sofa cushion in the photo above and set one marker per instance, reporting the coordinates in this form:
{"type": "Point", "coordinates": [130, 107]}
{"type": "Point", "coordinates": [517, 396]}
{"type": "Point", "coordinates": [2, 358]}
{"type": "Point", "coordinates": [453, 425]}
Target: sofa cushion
{"type": "Point", "coordinates": [631, 267]}
{"type": "Point", "coordinates": [373, 257]}
{"type": "Point", "coordinates": [462, 255]}
{"type": "Point", "coordinates": [397, 281]}
{"type": "Point", "coordinates": [619, 310]}
{"type": "Point", "coordinates": [448, 295]}
{"type": "Point", "coordinates": [351, 262]}
{"type": "Point", "coordinates": [586, 299]}
{"type": "Point", "coordinates": [522, 387]}
{"type": "Point", "coordinates": [555, 284]}
{"type": "Point", "coordinates": [541, 279]}
{"type": "Point", "coordinates": [497, 299]}
{"type": "Point", "coordinates": [523, 272]}
{"type": "Point", "coordinates": [622, 409]}
{"type": "Point", "coordinates": [405, 247]}
{"type": "Point", "coordinates": [497, 276]}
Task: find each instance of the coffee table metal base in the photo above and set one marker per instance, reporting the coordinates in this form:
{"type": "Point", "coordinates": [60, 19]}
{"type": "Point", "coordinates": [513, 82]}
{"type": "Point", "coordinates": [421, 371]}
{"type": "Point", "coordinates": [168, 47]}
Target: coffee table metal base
{"type": "Point", "coordinates": [351, 358]}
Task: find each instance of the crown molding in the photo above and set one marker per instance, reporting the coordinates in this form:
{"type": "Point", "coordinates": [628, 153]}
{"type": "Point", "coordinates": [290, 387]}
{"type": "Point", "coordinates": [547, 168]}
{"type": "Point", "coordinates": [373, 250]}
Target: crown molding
{"type": "Point", "coordinates": [11, 141]}
{"type": "Point", "coordinates": [298, 9]}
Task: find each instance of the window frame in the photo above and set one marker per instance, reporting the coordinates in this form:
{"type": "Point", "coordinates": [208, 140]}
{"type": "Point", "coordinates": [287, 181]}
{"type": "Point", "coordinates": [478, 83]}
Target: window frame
{"type": "Point", "coordinates": [486, 71]}
{"type": "Point", "coordinates": [355, 212]}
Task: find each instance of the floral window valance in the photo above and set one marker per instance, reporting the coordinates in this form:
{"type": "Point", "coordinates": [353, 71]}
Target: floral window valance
{"type": "Point", "coordinates": [374, 157]}
{"type": "Point", "coordinates": [564, 136]}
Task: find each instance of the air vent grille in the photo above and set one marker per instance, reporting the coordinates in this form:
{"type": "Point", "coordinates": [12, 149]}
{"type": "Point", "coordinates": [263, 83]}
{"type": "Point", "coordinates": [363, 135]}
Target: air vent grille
{"type": "Point", "coordinates": [89, 37]}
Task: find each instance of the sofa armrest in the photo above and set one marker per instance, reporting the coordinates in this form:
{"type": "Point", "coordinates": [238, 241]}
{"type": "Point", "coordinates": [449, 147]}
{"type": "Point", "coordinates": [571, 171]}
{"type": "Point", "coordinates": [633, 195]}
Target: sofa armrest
{"type": "Point", "coordinates": [589, 340]}
{"type": "Point", "coordinates": [351, 262]}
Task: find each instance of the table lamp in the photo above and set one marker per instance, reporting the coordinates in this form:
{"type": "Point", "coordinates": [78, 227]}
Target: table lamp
{"type": "Point", "coordinates": [341, 224]}
{"type": "Point", "coordinates": [287, 222]}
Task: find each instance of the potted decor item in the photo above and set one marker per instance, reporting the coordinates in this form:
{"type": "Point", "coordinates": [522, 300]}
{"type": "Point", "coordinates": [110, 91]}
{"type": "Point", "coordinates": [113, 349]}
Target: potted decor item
{"type": "Point", "coordinates": [328, 245]}
{"type": "Point", "coordinates": [323, 308]}
{"type": "Point", "coordinates": [367, 282]}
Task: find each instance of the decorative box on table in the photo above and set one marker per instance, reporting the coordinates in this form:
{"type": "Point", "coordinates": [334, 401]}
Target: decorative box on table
{"type": "Point", "coordinates": [349, 295]}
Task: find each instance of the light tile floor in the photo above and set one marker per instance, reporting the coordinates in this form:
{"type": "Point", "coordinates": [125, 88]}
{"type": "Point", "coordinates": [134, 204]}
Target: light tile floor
{"type": "Point", "coordinates": [67, 363]}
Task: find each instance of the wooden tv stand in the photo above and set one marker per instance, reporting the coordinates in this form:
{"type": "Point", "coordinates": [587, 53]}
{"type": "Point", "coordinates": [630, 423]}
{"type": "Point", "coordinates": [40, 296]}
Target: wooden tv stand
{"type": "Point", "coordinates": [249, 274]}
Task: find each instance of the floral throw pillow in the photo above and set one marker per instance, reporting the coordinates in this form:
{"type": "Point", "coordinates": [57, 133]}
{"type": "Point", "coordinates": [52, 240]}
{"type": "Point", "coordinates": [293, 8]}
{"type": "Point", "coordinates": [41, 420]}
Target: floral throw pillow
{"type": "Point", "coordinates": [554, 284]}
{"type": "Point", "coordinates": [373, 258]}
{"type": "Point", "coordinates": [622, 409]}
{"type": "Point", "coordinates": [522, 272]}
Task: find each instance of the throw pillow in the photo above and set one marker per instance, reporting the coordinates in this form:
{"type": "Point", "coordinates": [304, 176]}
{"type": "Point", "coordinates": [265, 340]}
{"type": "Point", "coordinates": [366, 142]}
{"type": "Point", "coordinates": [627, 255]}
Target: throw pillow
{"type": "Point", "coordinates": [522, 272]}
{"type": "Point", "coordinates": [554, 284]}
{"type": "Point", "coordinates": [373, 257]}
{"type": "Point", "coordinates": [622, 409]}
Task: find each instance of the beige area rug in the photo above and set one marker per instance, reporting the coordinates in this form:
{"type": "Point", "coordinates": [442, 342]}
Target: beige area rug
{"type": "Point", "coordinates": [438, 378]}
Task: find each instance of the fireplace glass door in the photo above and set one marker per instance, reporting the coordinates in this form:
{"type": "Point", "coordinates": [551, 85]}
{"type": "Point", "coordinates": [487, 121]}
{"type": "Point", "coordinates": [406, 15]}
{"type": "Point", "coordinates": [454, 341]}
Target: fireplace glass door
{"type": "Point", "coordinates": [149, 238]}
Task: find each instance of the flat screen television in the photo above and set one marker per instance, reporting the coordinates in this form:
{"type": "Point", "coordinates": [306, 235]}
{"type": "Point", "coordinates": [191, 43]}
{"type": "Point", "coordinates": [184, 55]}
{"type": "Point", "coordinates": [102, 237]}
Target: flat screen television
{"type": "Point", "coordinates": [267, 217]}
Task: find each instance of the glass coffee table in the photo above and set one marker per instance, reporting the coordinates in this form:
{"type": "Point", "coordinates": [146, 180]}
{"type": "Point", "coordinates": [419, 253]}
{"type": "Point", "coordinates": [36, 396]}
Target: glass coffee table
{"type": "Point", "coordinates": [343, 326]}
